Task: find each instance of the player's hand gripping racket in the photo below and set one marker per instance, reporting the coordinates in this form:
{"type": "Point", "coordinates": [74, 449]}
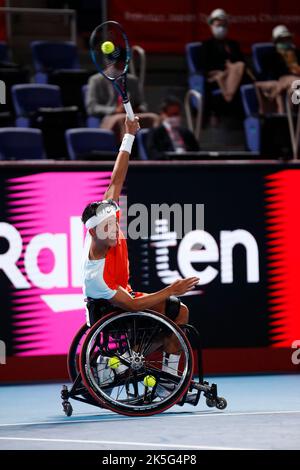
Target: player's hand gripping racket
{"type": "Point", "coordinates": [110, 51]}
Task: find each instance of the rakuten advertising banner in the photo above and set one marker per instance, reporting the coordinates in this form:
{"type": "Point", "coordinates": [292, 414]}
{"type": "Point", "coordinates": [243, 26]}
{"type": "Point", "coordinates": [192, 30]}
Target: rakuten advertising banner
{"type": "Point", "coordinates": [245, 251]}
{"type": "Point", "coordinates": [166, 26]}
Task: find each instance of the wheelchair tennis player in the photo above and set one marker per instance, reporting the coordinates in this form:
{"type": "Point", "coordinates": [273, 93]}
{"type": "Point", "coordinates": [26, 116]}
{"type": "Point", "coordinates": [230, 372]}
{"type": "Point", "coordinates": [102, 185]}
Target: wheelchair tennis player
{"type": "Point", "coordinates": [133, 356]}
{"type": "Point", "coordinates": [105, 265]}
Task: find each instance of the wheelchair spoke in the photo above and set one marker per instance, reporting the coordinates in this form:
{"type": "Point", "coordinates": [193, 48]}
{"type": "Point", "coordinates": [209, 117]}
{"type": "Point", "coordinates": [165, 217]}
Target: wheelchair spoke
{"type": "Point", "coordinates": [162, 375]}
{"type": "Point", "coordinates": [148, 343]}
{"type": "Point", "coordinates": [128, 344]}
{"type": "Point", "coordinates": [119, 391]}
{"type": "Point", "coordinates": [141, 343]}
{"type": "Point", "coordinates": [134, 333]}
{"type": "Point", "coordinates": [151, 361]}
{"type": "Point", "coordinates": [135, 383]}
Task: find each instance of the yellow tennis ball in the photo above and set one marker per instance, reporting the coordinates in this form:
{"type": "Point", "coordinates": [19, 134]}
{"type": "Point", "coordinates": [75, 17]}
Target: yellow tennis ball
{"type": "Point", "coordinates": [107, 47]}
{"type": "Point", "coordinates": [149, 381]}
{"type": "Point", "coordinates": [114, 362]}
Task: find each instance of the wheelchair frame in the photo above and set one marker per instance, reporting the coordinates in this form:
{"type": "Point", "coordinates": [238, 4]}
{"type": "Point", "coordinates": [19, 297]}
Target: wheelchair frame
{"type": "Point", "coordinates": [80, 393]}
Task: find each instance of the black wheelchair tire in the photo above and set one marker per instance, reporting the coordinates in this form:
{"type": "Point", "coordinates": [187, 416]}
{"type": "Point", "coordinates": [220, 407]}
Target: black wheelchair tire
{"type": "Point", "coordinates": [119, 408]}
{"type": "Point", "coordinates": [73, 370]}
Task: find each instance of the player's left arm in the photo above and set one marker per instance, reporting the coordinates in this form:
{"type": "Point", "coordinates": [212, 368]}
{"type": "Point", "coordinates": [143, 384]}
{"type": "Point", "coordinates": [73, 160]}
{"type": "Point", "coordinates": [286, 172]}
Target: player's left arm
{"type": "Point", "coordinates": [121, 165]}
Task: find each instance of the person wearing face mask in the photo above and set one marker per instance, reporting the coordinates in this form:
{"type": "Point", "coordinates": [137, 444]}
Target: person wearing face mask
{"type": "Point", "coordinates": [221, 58]}
{"type": "Point", "coordinates": [284, 59]}
{"type": "Point", "coordinates": [281, 67]}
{"type": "Point", "coordinates": [170, 135]}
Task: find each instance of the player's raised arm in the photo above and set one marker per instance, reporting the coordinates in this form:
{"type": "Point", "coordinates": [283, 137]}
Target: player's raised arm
{"type": "Point", "coordinates": [121, 165]}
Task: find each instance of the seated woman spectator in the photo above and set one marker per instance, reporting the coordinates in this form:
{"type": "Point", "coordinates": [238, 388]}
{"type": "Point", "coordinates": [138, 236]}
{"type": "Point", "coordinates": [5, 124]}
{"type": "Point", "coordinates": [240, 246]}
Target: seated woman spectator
{"type": "Point", "coordinates": [103, 101]}
{"type": "Point", "coordinates": [170, 136]}
{"type": "Point", "coordinates": [222, 59]}
{"type": "Point", "coordinates": [281, 67]}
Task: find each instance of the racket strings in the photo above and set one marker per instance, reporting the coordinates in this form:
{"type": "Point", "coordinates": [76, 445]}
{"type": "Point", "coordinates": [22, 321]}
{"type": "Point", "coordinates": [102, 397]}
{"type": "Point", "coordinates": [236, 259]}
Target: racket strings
{"type": "Point", "coordinates": [113, 64]}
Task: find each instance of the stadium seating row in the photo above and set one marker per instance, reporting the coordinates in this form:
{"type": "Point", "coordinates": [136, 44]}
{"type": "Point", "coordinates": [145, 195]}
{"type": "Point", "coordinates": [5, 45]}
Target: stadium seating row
{"type": "Point", "coordinates": [196, 79]}
{"type": "Point", "coordinates": [27, 143]}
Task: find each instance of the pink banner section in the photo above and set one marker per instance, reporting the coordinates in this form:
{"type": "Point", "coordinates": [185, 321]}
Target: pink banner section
{"type": "Point", "coordinates": [45, 215]}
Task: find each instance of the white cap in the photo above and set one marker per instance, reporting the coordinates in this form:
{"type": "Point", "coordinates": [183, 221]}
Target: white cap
{"type": "Point", "coordinates": [281, 31]}
{"type": "Point", "coordinates": [217, 14]}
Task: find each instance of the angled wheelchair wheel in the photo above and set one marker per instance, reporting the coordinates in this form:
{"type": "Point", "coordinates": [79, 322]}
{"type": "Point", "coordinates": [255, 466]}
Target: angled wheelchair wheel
{"type": "Point", "coordinates": [74, 351]}
{"type": "Point", "coordinates": [121, 363]}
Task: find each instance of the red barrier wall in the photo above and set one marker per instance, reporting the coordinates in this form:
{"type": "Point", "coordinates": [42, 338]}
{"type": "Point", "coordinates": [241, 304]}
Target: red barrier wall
{"type": "Point", "coordinates": [216, 361]}
{"type": "Point", "coordinates": [2, 23]}
{"type": "Point", "coordinates": [167, 26]}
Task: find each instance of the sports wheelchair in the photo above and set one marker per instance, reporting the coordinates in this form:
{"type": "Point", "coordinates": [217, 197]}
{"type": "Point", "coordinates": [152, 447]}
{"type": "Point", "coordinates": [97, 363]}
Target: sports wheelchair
{"type": "Point", "coordinates": [119, 364]}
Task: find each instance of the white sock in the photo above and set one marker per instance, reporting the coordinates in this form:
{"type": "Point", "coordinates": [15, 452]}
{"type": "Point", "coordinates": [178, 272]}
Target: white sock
{"type": "Point", "coordinates": [170, 363]}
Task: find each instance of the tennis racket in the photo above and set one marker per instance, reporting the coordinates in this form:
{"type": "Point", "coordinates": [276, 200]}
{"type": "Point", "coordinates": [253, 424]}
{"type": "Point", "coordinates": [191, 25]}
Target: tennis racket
{"type": "Point", "coordinates": [111, 53]}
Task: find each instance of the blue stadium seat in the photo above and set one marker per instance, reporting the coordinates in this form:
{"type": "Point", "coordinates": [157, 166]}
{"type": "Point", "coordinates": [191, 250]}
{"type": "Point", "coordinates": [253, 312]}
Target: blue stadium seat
{"type": "Point", "coordinates": [192, 50]}
{"type": "Point", "coordinates": [28, 98]}
{"type": "Point", "coordinates": [196, 77]}
{"type": "Point", "coordinates": [252, 124]}
{"type": "Point", "coordinates": [50, 56]}
{"type": "Point", "coordinates": [258, 51]}
{"type": "Point", "coordinates": [141, 138]}
{"type": "Point", "coordinates": [82, 142]}
{"type": "Point", "coordinates": [4, 52]}
{"type": "Point", "coordinates": [92, 122]}
{"type": "Point", "coordinates": [21, 144]}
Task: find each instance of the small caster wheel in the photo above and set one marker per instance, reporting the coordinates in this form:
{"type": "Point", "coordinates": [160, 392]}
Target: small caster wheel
{"type": "Point", "coordinates": [221, 403]}
{"type": "Point", "coordinates": [210, 402]}
{"type": "Point", "coordinates": [68, 409]}
{"type": "Point", "coordinates": [64, 393]}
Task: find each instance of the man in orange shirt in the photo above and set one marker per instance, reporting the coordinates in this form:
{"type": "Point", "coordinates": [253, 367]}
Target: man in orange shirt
{"type": "Point", "coordinates": [105, 262]}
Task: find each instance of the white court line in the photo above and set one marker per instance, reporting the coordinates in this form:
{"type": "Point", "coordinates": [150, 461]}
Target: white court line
{"type": "Point", "coordinates": [161, 416]}
{"type": "Point", "coordinates": [143, 444]}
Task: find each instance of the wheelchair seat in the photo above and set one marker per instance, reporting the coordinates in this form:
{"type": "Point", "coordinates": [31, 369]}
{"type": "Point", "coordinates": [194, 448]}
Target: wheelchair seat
{"type": "Point", "coordinates": [97, 308]}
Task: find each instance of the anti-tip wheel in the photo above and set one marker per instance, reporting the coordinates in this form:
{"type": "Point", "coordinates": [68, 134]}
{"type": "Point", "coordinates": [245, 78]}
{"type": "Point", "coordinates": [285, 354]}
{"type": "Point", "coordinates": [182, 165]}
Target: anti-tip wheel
{"type": "Point", "coordinates": [221, 403]}
{"type": "Point", "coordinates": [68, 409]}
{"type": "Point", "coordinates": [210, 402]}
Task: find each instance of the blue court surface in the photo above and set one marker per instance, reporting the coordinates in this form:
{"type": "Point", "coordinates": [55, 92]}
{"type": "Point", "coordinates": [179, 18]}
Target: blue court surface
{"type": "Point", "coordinates": [263, 413]}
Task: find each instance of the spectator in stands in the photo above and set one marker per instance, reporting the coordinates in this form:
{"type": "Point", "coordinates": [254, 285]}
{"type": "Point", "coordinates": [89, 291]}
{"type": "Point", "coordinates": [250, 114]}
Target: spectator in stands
{"type": "Point", "coordinates": [282, 67]}
{"type": "Point", "coordinates": [104, 102]}
{"type": "Point", "coordinates": [170, 136]}
{"type": "Point", "coordinates": [284, 59]}
{"type": "Point", "coordinates": [223, 61]}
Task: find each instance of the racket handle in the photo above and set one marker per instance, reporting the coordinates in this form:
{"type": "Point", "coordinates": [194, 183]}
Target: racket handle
{"type": "Point", "coordinates": [129, 110]}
